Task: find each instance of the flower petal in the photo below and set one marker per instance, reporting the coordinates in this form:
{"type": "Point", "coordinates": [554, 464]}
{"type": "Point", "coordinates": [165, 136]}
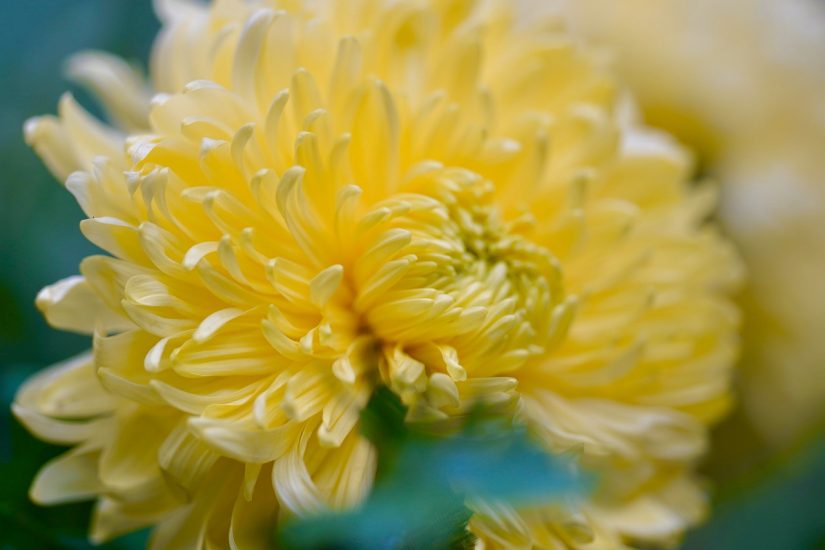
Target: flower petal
{"type": "Point", "coordinates": [71, 477]}
{"type": "Point", "coordinates": [71, 304]}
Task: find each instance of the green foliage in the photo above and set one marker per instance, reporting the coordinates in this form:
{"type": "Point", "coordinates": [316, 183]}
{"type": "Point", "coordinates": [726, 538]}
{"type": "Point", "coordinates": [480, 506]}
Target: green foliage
{"type": "Point", "coordinates": [777, 506]}
{"type": "Point", "coordinates": [424, 481]}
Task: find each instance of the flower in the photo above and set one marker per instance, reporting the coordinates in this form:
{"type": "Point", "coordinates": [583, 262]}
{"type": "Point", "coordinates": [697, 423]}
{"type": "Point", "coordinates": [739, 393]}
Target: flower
{"type": "Point", "coordinates": [766, 150]}
{"type": "Point", "coordinates": [330, 196]}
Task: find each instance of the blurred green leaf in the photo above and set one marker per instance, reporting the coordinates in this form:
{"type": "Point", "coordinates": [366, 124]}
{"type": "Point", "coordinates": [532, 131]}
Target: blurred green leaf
{"type": "Point", "coordinates": [424, 481]}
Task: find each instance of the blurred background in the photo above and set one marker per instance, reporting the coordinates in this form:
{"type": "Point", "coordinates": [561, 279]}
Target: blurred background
{"type": "Point", "coordinates": [768, 483]}
{"type": "Point", "coordinates": [39, 237]}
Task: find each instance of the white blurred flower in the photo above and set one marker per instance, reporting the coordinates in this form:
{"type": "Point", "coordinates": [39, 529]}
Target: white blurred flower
{"type": "Point", "coordinates": [741, 82]}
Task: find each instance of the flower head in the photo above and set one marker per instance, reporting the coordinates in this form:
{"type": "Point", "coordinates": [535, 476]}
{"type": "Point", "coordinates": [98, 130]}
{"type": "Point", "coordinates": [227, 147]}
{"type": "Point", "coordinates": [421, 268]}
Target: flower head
{"type": "Point", "coordinates": [330, 196]}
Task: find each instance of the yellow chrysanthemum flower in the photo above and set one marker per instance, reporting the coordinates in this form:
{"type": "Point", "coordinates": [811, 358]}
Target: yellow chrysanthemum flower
{"type": "Point", "coordinates": [329, 196]}
{"type": "Point", "coordinates": [767, 150]}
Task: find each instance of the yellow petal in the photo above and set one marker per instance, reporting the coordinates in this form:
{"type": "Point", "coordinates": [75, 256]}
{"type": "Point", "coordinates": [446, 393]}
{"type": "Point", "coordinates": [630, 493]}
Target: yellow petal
{"type": "Point", "coordinates": [124, 465]}
{"type": "Point", "coordinates": [70, 477]}
{"type": "Point", "coordinates": [253, 518]}
{"type": "Point", "coordinates": [116, 84]}
{"type": "Point", "coordinates": [245, 443]}
{"type": "Point", "coordinates": [71, 304]}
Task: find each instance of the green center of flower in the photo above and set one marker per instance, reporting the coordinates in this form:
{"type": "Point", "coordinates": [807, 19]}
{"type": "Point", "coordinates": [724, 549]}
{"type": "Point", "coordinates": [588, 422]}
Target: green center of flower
{"type": "Point", "coordinates": [459, 285]}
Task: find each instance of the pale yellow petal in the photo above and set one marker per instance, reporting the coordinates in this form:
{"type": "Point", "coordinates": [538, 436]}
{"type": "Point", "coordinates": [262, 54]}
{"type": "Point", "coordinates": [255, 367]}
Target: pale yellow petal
{"type": "Point", "coordinates": [70, 477]}
{"type": "Point", "coordinates": [602, 427]}
{"type": "Point", "coordinates": [117, 85]}
{"type": "Point", "coordinates": [71, 304]}
{"type": "Point", "coordinates": [253, 519]}
{"type": "Point", "coordinates": [245, 443]}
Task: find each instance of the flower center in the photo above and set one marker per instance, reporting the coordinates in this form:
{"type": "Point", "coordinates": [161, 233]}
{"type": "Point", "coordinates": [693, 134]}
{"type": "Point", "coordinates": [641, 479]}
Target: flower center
{"type": "Point", "coordinates": [444, 283]}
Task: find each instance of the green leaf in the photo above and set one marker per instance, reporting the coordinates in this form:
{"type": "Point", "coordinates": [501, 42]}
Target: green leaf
{"type": "Point", "coordinates": [781, 507]}
{"type": "Point", "coordinates": [424, 480]}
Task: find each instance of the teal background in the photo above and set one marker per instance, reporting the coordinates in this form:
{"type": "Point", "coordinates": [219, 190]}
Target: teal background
{"type": "Point", "coordinates": [763, 504]}
{"type": "Point", "coordinates": [39, 237]}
